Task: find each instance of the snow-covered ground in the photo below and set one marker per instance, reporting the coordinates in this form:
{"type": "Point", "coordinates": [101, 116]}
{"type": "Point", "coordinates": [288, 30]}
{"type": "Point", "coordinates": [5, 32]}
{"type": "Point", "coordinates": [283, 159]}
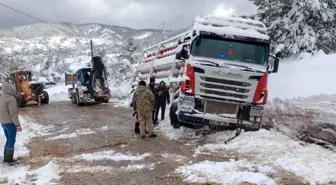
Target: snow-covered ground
{"type": "Point", "coordinates": [21, 174]}
{"type": "Point", "coordinates": [120, 93]}
{"type": "Point", "coordinates": [254, 157]}
{"type": "Point", "coordinates": [58, 93]}
{"type": "Point", "coordinates": [301, 87]}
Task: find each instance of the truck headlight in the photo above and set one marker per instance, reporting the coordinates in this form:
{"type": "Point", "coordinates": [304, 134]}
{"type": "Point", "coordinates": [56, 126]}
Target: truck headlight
{"type": "Point", "coordinates": [186, 109]}
{"type": "Point", "coordinates": [258, 119]}
{"type": "Point", "coordinates": [251, 118]}
{"type": "Point", "coordinates": [187, 101]}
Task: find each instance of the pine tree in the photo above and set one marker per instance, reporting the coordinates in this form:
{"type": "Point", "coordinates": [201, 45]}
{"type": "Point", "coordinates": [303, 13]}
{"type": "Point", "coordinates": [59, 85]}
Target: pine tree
{"type": "Point", "coordinates": [299, 25]}
{"type": "Point", "coordinates": [129, 52]}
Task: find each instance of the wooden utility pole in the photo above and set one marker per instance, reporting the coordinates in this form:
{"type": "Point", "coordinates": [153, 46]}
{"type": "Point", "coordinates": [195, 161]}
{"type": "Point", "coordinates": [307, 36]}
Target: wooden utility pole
{"type": "Point", "coordinates": [163, 32]}
{"type": "Point", "coordinates": [91, 45]}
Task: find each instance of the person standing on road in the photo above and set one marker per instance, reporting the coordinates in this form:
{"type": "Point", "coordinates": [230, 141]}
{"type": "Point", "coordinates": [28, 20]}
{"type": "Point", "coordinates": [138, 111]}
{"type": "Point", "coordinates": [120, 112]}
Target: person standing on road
{"type": "Point", "coordinates": [151, 86]}
{"type": "Point", "coordinates": [162, 100]}
{"type": "Point", "coordinates": [9, 119]}
{"type": "Point", "coordinates": [143, 103]}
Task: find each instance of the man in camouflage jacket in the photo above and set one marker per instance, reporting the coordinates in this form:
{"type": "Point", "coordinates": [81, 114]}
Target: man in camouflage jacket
{"type": "Point", "coordinates": [143, 104]}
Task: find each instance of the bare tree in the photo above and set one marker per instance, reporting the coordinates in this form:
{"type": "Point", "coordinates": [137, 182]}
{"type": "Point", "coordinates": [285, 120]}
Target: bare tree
{"type": "Point", "coordinates": [10, 62]}
{"type": "Point", "coordinates": [60, 66]}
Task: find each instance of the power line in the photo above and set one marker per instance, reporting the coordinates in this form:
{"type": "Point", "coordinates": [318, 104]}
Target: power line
{"type": "Point", "coordinates": [34, 17]}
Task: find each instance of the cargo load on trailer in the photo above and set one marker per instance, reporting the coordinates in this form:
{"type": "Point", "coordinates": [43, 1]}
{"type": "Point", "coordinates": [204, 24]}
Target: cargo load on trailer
{"type": "Point", "coordinates": [217, 73]}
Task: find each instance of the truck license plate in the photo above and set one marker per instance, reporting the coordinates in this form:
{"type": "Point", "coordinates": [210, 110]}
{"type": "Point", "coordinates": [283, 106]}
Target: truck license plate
{"type": "Point", "coordinates": [256, 111]}
{"type": "Point", "coordinates": [215, 122]}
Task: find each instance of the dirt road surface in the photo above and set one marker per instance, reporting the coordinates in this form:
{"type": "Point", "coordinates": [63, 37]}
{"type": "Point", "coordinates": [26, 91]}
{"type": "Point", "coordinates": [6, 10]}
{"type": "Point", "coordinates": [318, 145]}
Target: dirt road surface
{"type": "Point", "coordinates": [104, 128]}
{"type": "Point", "coordinates": [76, 132]}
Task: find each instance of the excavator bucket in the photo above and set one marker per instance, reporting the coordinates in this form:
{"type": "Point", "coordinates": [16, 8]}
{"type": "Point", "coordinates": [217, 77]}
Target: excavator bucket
{"type": "Point", "coordinates": [100, 77]}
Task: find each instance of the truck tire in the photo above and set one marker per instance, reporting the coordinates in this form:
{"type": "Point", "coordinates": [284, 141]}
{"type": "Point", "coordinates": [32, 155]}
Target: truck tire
{"type": "Point", "coordinates": [73, 98]}
{"type": "Point", "coordinates": [22, 102]}
{"type": "Point", "coordinates": [106, 100]}
{"type": "Point", "coordinates": [79, 103]}
{"type": "Point", "coordinates": [173, 117]}
{"type": "Point", "coordinates": [46, 98]}
{"type": "Point", "coordinates": [98, 100]}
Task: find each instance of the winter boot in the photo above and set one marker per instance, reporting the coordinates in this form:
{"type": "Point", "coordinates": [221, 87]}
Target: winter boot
{"type": "Point", "coordinates": [8, 158]}
{"type": "Point", "coordinates": [152, 135]}
{"type": "Point", "coordinates": [136, 129]}
{"type": "Point", "coordinates": [5, 154]}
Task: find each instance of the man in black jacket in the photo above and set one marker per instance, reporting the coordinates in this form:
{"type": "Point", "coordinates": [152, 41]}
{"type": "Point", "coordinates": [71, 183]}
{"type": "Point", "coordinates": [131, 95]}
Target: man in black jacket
{"type": "Point", "coordinates": [161, 100]}
{"type": "Point", "coordinates": [151, 86]}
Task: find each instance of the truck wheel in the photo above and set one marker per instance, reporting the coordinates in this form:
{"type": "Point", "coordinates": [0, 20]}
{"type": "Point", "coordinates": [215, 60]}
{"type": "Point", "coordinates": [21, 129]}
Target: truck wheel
{"type": "Point", "coordinates": [73, 98]}
{"type": "Point", "coordinates": [98, 101]}
{"type": "Point", "coordinates": [46, 98]}
{"type": "Point", "coordinates": [79, 103]}
{"type": "Point", "coordinates": [173, 117]}
{"type": "Point", "coordinates": [106, 100]}
{"type": "Point", "coordinates": [22, 101]}
{"type": "Point", "coordinates": [261, 124]}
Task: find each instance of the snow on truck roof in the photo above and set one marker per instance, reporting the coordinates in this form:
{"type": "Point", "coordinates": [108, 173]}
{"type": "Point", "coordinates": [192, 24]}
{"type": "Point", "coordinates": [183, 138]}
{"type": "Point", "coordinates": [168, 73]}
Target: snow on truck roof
{"type": "Point", "coordinates": [231, 26]}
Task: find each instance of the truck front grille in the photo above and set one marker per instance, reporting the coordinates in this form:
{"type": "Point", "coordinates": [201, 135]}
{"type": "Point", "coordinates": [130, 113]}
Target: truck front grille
{"type": "Point", "coordinates": [224, 88]}
{"type": "Point", "coordinates": [225, 82]}
{"type": "Point", "coordinates": [213, 86]}
{"type": "Point", "coordinates": [205, 91]}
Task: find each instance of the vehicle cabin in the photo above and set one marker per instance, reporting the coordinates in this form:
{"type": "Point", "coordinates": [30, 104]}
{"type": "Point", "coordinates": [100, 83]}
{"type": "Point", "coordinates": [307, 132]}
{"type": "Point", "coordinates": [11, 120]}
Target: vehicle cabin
{"type": "Point", "coordinates": [18, 76]}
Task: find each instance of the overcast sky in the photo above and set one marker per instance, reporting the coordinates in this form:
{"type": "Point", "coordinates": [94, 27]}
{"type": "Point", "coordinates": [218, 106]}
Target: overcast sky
{"type": "Point", "coordinates": [130, 13]}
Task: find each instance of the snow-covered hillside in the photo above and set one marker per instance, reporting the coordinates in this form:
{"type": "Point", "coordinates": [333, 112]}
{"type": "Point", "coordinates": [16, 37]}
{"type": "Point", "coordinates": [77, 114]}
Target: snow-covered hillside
{"type": "Point", "coordinates": [304, 76]}
{"type": "Point", "coordinates": [64, 47]}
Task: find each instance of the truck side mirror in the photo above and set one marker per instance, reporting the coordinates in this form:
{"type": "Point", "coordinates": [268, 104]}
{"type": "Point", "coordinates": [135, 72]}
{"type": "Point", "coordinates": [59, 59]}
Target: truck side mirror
{"type": "Point", "coordinates": [178, 56]}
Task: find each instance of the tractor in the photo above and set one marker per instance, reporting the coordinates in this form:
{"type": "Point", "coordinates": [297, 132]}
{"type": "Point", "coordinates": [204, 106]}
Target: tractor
{"type": "Point", "coordinates": [89, 84]}
{"type": "Point", "coordinates": [27, 89]}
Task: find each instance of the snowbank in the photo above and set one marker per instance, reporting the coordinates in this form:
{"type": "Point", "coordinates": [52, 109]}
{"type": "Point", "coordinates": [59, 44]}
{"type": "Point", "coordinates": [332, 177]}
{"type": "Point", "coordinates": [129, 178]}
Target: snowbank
{"type": "Point", "coordinates": [58, 93]}
{"type": "Point", "coordinates": [112, 155]}
{"type": "Point", "coordinates": [121, 93]}
{"type": "Point", "coordinates": [273, 149]}
{"type": "Point", "coordinates": [302, 78]}
{"type": "Point", "coordinates": [226, 173]}
{"type": "Point", "coordinates": [73, 134]}
{"type": "Point", "coordinates": [29, 130]}
{"type": "Point", "coordinates": [21, 175]}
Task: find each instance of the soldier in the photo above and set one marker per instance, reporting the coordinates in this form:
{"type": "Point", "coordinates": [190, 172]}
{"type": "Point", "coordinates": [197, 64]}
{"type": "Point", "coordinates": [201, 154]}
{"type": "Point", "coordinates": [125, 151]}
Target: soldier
{"type": "Point", "coordinates": [143, 103]}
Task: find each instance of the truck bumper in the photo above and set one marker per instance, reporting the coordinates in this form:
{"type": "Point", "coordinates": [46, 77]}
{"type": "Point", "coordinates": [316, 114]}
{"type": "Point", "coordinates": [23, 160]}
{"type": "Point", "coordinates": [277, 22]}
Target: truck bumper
{"type": "Point", "coordinates": [197, 120]}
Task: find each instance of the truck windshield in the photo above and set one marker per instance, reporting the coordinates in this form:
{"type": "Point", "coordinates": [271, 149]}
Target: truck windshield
{"type": "Point", "coordinates": [232, 50]}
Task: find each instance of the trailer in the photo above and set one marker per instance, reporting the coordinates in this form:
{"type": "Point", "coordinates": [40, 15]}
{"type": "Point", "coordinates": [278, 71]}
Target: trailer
{"type": "Point", "coordinates": [216, 72]}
